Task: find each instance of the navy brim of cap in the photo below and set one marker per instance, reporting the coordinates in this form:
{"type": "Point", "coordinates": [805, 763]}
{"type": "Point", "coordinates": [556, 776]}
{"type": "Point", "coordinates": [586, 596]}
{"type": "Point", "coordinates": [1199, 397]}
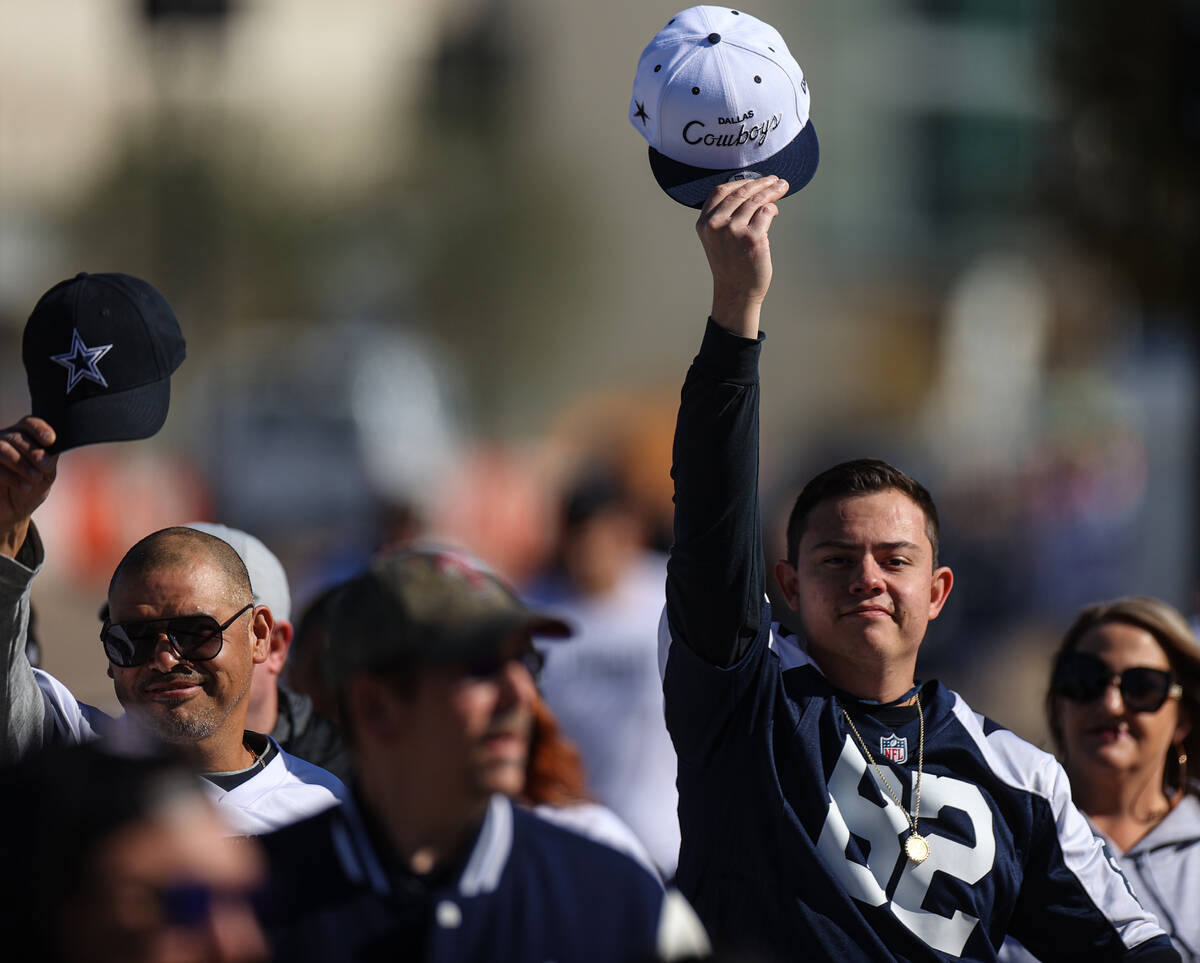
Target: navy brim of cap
{"type": "Point", "coordinates": [117, 416]}
{"type": "Point", "coordinates": [690, 186]}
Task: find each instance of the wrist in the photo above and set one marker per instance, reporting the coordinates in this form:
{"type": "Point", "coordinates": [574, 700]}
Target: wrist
{"type": "Point", "coordinates": [13, 537]}
{"type": "Point", "coordinates": [738, 314]}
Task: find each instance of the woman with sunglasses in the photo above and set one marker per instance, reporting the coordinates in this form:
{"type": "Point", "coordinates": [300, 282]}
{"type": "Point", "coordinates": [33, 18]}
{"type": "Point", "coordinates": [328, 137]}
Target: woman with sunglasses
{"type": "Point", "coordinates": [1124, 710]}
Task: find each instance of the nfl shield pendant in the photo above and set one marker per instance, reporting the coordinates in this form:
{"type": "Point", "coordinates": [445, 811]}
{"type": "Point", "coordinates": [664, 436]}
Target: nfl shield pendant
{"type": "Point", "coordinates": [916, 849]}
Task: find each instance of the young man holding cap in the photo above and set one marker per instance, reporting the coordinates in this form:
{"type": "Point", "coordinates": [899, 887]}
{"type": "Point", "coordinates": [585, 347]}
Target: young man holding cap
{"type": "Point", "coordinates": [826, 799]}
{"type": "Point", "coordinates": [829, 806]}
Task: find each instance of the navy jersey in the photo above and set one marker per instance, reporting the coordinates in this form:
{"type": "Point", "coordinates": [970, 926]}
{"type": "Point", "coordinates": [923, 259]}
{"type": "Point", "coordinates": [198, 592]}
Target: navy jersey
{"type": "Point", "coordinates": [527, 891]}
{"type": "Point", "coordinates": [791, 844]}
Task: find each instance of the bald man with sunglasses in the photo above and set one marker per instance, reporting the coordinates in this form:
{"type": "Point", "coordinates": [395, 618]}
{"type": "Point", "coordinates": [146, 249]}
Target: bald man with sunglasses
{"type": "Point", "coordinates": [182, 640]}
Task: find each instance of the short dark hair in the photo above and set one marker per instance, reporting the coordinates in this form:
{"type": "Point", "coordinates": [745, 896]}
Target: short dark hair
{"type": "Point", "coordinates": [179, 546]}
{"type": "Point", "coordinates": [862, 476]}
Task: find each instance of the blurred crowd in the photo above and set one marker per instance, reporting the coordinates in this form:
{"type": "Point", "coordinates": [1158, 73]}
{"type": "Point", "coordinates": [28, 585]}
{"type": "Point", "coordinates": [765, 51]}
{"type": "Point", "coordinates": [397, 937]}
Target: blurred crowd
{"type": "Point", "coordinates": [400, 703]}
{"type": "Point", "coordinates": [381, 623]}
{"type": "Point", "coordinates": [373, 738]}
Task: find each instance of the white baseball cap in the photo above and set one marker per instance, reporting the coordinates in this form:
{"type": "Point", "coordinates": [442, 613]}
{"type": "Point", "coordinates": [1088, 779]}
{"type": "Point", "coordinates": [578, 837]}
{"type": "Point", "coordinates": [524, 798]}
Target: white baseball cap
{"type": "Point", "coordinates": [268, 581]}
{"type": "Point", "coordinates": [719, 97]}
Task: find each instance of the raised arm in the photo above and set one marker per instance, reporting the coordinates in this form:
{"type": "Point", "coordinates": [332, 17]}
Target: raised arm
{"type": "Point", "coordinates": [26, 473]}
{"type": "Point", "coordinates": [715, 578]}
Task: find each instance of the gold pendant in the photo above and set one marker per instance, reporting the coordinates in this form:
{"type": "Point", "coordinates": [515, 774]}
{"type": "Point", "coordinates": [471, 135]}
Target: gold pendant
{"type": "Point", "coordinates": [916, 848]}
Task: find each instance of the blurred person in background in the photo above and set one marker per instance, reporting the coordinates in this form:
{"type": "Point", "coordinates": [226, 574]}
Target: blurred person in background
{"type": "Point", "coordinates": [288, 716]}
{"type": "Point", "coordinates": [556, 782]}
{"type": "Point", "coordinates": [119, 855]}
{"type": "Point", "coordinates": [556, 788]}
{"type": "Point", "coordinates": [183, 638]}
{"type": "Point", "coordinates": [430, 859]}
{"type": "Point", "coordinates": [603, 684]}
{"type": "Point", "coordinates": [1123, 705]}
{"type": "Point", "coordinates": [303, 670]}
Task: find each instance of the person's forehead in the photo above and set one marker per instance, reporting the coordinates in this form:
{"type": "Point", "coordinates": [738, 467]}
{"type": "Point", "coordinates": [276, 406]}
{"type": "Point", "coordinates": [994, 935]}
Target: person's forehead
{"type": "Point", "coordinates": [1123, 645]}
{"type": "Point", "coordinates": [183, 588]}
{"type": "Point", "coordinates": [186, 840]}
{"type": "Point", "coordinates": [887, 515]}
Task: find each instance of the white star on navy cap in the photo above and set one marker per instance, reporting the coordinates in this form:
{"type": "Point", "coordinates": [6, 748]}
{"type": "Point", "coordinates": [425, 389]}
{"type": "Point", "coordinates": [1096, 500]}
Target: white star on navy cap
{"type": "Point", "coordinates": [81, 362]}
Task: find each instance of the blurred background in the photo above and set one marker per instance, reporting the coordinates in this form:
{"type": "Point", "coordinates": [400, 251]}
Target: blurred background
{"type": "Point", "coordinates": [427, 281]}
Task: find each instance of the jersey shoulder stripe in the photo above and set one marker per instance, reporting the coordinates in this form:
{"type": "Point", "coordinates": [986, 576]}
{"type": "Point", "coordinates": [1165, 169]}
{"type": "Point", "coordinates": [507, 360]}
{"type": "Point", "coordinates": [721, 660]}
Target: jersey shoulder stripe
{"type": "Point", "coordinates": [1022, 766]}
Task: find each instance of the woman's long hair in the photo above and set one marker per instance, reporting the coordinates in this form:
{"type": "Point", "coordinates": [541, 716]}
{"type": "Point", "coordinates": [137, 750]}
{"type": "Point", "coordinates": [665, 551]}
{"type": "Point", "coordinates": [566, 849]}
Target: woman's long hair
{"type": "Point", "coordinates": [554, 774]}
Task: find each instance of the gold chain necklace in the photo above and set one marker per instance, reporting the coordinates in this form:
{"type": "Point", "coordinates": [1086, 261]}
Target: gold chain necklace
{"type": "Point", "coordinates": [916, 847]}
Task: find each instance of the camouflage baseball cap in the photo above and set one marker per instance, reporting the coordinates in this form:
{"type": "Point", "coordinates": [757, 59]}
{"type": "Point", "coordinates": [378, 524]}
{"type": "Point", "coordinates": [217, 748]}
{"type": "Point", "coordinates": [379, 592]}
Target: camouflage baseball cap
{"type": "Point", "coordinates": [425, 606]}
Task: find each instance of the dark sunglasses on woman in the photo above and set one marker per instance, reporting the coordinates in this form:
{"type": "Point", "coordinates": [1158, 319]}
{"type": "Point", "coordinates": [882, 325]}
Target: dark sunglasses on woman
{"type": "Point", "coordinates": [1083, 677]}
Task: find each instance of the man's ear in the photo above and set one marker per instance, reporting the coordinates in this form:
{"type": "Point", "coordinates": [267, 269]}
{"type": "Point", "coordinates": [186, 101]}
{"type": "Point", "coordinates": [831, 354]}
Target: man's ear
{"type": "Point", "coordinates": [939, 590]}
{"type": "Point", "coordinates": [789, 583]}
{"type": "Point", "coordinates": [281, 641]}
{"type": "Point", "coordinates": [262, 623]}
{"type": "Point", "coordinates": [372, 706]}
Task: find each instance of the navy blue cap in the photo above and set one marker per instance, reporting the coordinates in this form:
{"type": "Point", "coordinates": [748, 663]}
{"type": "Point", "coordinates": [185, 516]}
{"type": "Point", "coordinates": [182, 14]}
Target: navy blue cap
{"type": "Point", "coordinates": [99, 351]}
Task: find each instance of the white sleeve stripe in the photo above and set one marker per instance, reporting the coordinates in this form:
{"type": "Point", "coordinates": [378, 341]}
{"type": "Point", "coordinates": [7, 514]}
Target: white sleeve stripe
{"type": "Point", "coordinates": [1024, 767]}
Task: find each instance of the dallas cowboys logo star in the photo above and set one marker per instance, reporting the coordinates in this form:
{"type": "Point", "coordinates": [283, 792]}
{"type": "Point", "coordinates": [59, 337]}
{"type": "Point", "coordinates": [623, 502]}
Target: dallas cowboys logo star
{"type": "Point", "coordinates": [81, 360]}
{"type": "Point", "coordinates": [641, 112]}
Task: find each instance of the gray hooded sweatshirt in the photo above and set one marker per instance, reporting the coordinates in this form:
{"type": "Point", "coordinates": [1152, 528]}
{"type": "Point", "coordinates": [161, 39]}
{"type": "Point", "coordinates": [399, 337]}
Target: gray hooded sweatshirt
{"type": "Point", "coordinates": [1163, 869]}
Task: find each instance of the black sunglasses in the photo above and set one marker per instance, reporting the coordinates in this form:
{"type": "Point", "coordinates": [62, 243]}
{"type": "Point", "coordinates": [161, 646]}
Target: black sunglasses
{"type": "Point", "coordinates": [191, 904]}
{"type": "Point", "coordinates": [194, 638]}
{"type": "Point", "coordinates": [1082, 677]}
{"type": "Point", "coordinates": [489, 666]}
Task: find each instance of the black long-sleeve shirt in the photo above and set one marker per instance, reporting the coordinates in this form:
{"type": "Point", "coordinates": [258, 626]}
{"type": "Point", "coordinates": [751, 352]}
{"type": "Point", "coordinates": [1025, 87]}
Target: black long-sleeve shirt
{"type": "Point", "coordinates": [715, 578]}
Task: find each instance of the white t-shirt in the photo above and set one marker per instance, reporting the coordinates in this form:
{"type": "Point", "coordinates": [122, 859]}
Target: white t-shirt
{"type": "Point", "coordinates": [284, 791]}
